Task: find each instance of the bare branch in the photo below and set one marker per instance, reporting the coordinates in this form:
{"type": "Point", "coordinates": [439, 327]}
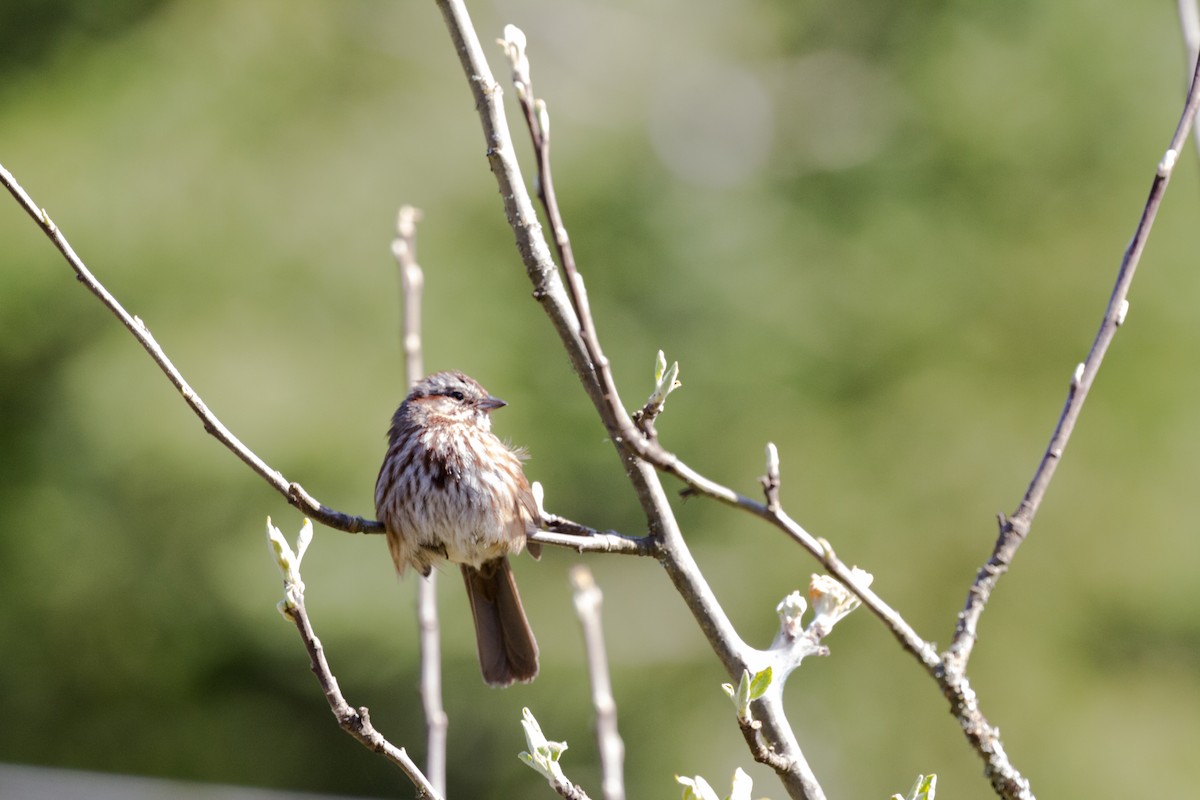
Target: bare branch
{"type": "Point", "coordinates": [412, 280]}
{"type": "Point", "coordinates": [436, 720]}
{"type": "Point", "coordinates": [293, 492]}
{"type": "Point", "coordinates": [588, 598]}
{"type": "Point", "coordinates": [698, 484]}
{"type": "Point", "coordinates": [1015, 528]}
{"type": "Point", "coordinates": [598, 543]}
{"type": "Point", "coordinates": [759, 749]}
{"type": "Point", "coordinates": [537, 120]}
{"type": "Point", "coordinates": [951, 672]}
{"type": "Point", "coordinates": [1189, 24]}
{"type": "Point", "coordinates": [354, 721]}
{"type": "Point", "coordinates": [571, 319]}
{"type": "Point", "coordinates": [643, 445]}
{"type": "Point", "coordinates": [574, 535]}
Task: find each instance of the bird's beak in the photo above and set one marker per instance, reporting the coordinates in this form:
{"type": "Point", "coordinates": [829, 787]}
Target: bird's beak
{"type": "Point", "coordinates": [491, 403]}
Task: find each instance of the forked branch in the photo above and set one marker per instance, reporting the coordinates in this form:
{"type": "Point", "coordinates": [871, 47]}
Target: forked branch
{"type": "Point", "coordinates": [571, 319]}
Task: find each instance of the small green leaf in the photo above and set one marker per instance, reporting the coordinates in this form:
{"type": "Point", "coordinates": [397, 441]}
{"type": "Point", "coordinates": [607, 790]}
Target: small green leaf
{"type": "Point", "coordinates": [924, 789]}
{"type": "Point", "coordinates": [760, 683]}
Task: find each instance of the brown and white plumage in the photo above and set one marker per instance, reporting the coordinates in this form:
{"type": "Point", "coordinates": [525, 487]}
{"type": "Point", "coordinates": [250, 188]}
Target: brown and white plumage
{"type": "Point", "coordinates": [450, 490]}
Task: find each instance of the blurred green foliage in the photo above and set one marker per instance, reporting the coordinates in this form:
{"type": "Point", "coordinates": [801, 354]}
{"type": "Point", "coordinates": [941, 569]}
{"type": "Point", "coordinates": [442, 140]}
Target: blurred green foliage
{"type": "Point", "coordinates": [878, 234]}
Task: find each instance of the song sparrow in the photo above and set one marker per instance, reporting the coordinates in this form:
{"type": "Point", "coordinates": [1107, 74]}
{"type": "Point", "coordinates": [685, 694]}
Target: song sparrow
{"type": "Point", "coordinates": [450, 490]}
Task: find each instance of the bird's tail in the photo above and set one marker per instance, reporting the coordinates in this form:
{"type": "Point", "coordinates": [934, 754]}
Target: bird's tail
{"type": "Point", "coordinates": [507, 649]}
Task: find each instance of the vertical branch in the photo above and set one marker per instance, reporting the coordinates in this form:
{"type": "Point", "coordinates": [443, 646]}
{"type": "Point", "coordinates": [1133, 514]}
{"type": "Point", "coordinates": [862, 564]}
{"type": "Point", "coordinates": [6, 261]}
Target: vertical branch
{"type": "Point", "coordinates": [412, 281]}
{"type": "Point", "coordinates": [587, 597]}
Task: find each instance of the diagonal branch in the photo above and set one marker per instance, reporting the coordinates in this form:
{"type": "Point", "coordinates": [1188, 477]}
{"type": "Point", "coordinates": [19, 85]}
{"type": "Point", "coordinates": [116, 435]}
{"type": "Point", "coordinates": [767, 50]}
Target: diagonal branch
{"type": "Point", "coordinates": [621, 426]}
{"type": "Point", "coordinates": [1015, 528]}
{"type": "Point", "coordinates": [293, 492]}
{"type": "Point", "coordinates": [557, 531]}
{"type": "Point", "coordinates": [591, 366]}
{"type": "Point", "coordinates": [354, 721]}
{"type": "Point", "coordinates": [1189, 24]}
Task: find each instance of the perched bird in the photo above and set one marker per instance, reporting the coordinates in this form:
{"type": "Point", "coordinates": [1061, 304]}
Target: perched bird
{"type": "Point", "coordinates": [450, 490]}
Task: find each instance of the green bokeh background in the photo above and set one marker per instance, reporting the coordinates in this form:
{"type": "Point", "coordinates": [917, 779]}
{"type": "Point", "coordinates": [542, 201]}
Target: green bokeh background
{"type": "Point", "coordinates": [878, 234]}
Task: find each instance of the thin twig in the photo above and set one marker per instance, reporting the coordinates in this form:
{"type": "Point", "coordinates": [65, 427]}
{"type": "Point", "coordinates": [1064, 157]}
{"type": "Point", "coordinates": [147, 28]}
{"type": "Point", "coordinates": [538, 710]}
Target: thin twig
{"type": "Point", "coordinates": [293, 492]}
{"type": "Point", "coordinates": [571, 791]}
{"type": "Point", "coordinates": [964, 705]}
{"type": "Point", "coordinates": [412, 281]}
{"type": "Point", "coordinates": [436, 720]}
{"type": "Point", "coordinates": [588, 598]}
{"type": "Point", "coordinates": [354, 721]}
{"type": "Point", "coordinates": [759, 749]}
{"type": "Point", "coordinates": [951, 674]}
{"type": "Point", "coordinates": [537, 120]}
{"type": "Point", "coordinates": [591, 366]}
{"type": "Point", "coordinates": [621, 426]}
{"type": "Point", "coordinates": [1189, 24]}
{"type": "Point", "coordinates": [559, 532]}
{"type": "Point", "coordinates": [1014, 529]}
{"type": "Point", "coordinates": [779, 736]}
{"type": "Point", "coordinates": [698, 484]}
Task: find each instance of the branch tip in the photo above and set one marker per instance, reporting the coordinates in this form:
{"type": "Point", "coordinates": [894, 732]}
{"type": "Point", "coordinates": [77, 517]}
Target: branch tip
{"type": "Point", "coordinates": [770, 481]}
{"type": "Point", "coordinates": [514, 44]}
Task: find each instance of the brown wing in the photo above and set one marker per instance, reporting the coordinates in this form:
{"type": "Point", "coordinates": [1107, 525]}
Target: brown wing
{"type": "Point", "coordinates": [527, 515]}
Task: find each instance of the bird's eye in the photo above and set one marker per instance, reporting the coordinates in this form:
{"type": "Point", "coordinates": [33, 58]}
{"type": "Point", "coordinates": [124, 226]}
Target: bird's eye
{"type": "Point", "coordinates": [457, 395]}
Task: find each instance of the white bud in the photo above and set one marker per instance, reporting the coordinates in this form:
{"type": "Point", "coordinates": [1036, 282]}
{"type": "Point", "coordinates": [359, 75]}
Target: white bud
{"type": "Point", "coordinates": [831, 600]}
{"type": "Point", "coordinates": [1122, 312]}
{"type": "Point", "coordinates": [743, 784]}
{"type": "Point", "coordinates": [790, 611]}
{"type": "Point", "coordinates": [514, 47]}
{"type": "Point", "coordinates": [772, 460]}
{"type": "Point", "coordinates": [1168, 162]}
{"type": "Point", "coordinates": [696, 788]}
